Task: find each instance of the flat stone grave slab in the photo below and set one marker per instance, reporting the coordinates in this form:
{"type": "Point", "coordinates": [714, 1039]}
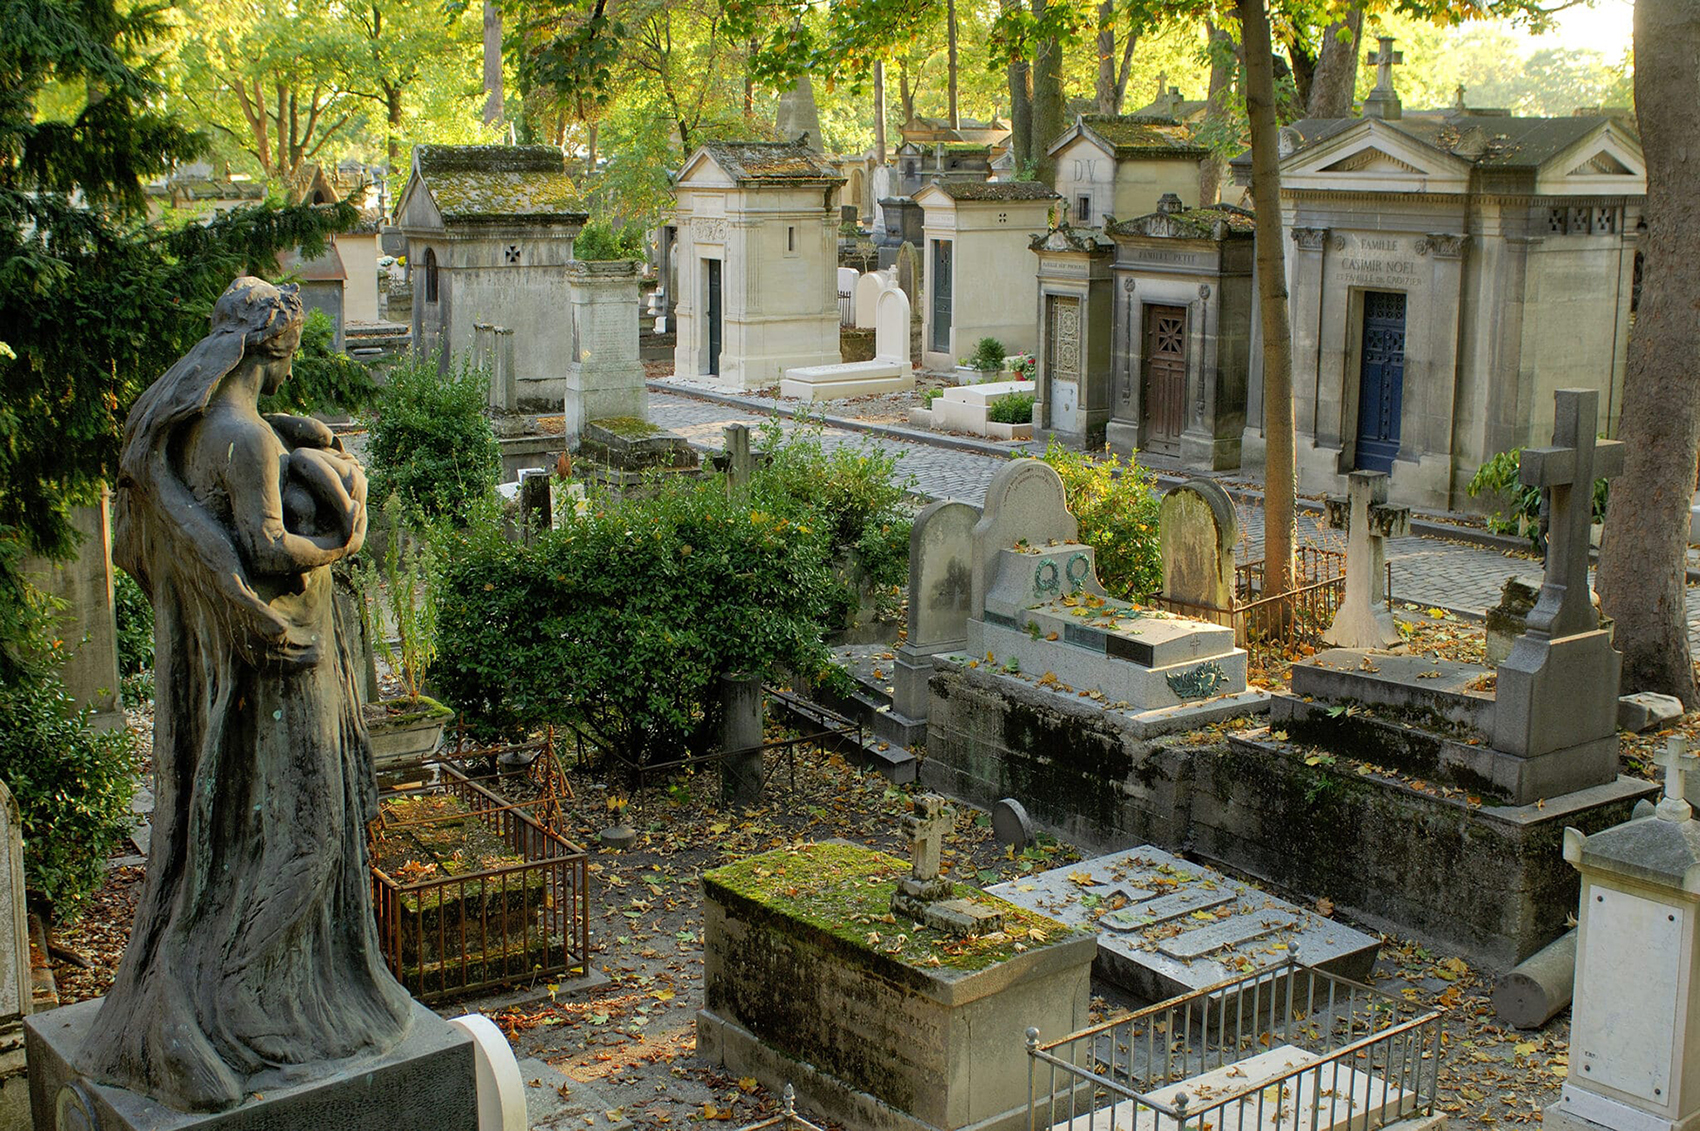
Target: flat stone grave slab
{"type": "Point", "coordinates": [1167, 926]}
{"type": "Point", "coordinates": [1394, 679]}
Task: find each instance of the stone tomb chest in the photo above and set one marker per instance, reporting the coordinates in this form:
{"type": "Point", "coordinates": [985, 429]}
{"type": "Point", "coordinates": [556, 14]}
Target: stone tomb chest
{"type": "Point", "coordinates": [878, 1026]}
{"type": "Point", "coordinates": [1183, 318]}
{"type": "Point", "coordinates": [1039, 609]}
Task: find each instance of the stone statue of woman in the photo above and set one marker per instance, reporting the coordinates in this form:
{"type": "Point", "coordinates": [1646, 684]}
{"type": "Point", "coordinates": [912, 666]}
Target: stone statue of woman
{"type": "Point", "coordinates": [254, 960]}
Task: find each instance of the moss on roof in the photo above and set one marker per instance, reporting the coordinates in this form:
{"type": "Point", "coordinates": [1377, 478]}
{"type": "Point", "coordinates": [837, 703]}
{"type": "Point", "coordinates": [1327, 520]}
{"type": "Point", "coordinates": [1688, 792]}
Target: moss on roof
{"type": "Point", "coordinates": [1221, 222]}
{"type": "Point", "coordinates": [995, 190]}
{"type": "Point", "coordinates": [770, 161]}
{"type": "Point", "coordinates": [1134, 136]}
{"type": "Point", "coordinates": [495, 182]}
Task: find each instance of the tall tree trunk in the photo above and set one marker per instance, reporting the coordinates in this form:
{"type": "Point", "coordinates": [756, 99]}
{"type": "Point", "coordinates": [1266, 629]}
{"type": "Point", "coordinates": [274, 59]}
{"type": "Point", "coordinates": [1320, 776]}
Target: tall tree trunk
{"type": "Point", "coordinates": [1222, 68]}
{"type": "Point", "coordinates": [950, 60]}
{"type": "Point", "coordinates": [1278, 486]}
{"type": "Point", "coordinates": [1049, 112]}
{"type": "Point", "coordinates": [879, 111]}
{"type": "Point", "coordinates": [590, 146]}
{"type": "Point", "coordinates": [1336, 76]}
{"type": "Point", "coordinates": [1020, 105]}
{"type": "Point", "coordinates": [1106, 89]}
{"type": "Point", "coordinates": [749, 87]}
{"type": "Point", "coordinates": [492, 65]}
{"type": "Point", "coordinates": [1644, 553]}
{"type": "Point", "coordinates": [392, 107]}
{"type": "Point", "coordinates": [905, 94]}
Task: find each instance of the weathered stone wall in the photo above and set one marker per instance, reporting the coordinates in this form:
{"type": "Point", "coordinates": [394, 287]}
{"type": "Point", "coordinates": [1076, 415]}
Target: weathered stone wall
{"type": "Point", "coordinates": [1490, 882]}
{"type": "Point", "coordinates": [1074, 768]}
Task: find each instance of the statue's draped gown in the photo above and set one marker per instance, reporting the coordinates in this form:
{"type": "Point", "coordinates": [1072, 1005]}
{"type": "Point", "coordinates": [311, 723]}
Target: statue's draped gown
{"type": "Point", "coordinates": [254, 951]}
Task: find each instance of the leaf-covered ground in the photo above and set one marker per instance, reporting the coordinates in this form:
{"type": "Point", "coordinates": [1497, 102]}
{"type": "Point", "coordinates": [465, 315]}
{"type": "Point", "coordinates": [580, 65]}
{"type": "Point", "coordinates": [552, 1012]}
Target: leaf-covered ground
{"type": "Point", "coordinates": [633, 1037]}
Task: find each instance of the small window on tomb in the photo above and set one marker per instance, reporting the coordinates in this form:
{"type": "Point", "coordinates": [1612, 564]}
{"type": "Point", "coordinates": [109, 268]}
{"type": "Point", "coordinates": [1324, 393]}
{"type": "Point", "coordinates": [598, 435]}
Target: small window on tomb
{"type": "Point", "coordinates": [1082, 210]}
{"type": "Point", "coordinates": [512, 253]}
{"type": "Point", "coordinates": [790, 239]}
{"type": "Point", "coordinates": [430, 275]}
{"type": "Point", "coordinates": [1605, 221]}
{"type": "Point", "coordinates": [1003, 217]}
{"type": "Point", "coordinates": [1558, 220]}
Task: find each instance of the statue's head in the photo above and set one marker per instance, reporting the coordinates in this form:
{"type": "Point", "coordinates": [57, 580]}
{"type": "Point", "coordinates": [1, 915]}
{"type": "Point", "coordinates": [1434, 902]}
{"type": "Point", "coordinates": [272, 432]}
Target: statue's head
{"type": "Point", "coordinates": [269, 319]}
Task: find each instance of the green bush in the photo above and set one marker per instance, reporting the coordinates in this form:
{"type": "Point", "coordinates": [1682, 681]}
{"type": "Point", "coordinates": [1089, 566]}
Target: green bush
{"type": "Point", "coordinates": [322, 378]}
{"type": "Point", "coordinates": [931, 395]}
{"type": "Point", "coordinates": [623, 617]}
{"type": "Point", "coordinates": [1012, 408]}
{"type": "Point", "coordinates": [988, 355]}
{"type": "Point", "coordinates": [431, 442]}
{"type": "Point", "coordinates": [72, 786]}
{"type": "Point", "coordinates": [1499, 478]}
{"type": "Point", "coordinates": [1116, 504]}
{"type": "Point", "coordinates": [135, 637]}
{"type": "Point", "coordinates": [601, 240]}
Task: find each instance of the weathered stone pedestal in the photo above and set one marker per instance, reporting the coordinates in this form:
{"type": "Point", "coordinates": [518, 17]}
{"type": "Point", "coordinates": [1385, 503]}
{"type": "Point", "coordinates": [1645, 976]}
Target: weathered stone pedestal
{"type": "Point", "coordinates": [805, 983]}
{"type": "Point", "coordinates": [605, 377]}
{"type": "Point", "coordinates": [427, 1083]}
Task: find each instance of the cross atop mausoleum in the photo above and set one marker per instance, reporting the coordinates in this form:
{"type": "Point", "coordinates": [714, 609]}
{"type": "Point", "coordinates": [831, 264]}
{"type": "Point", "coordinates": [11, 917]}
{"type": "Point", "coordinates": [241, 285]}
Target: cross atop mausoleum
{"type": "Point", "coordinates": [1566, 471]}
{"type": "Point", "coordinates": [1383, 101]}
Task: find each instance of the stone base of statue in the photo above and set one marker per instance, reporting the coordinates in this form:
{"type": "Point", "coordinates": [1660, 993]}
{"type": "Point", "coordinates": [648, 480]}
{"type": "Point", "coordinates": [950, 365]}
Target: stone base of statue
{"type": "Point", "coordinates": [427, 1083]}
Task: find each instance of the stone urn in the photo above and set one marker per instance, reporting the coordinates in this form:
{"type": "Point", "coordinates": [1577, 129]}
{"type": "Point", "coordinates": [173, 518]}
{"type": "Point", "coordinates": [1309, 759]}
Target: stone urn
{"type": "Point", "coordinates": [405, 731]}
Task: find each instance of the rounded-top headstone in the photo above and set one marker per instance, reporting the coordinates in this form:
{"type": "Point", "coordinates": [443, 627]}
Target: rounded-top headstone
{"type": "Point", "coordinates": [1011, 824]}
{"type": "Point", "coordinates": [1197, 529]}
{"type": "Point", "coordinates": [501, 1091]}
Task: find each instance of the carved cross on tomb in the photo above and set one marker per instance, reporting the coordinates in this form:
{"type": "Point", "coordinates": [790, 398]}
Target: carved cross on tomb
{"type": "Point", "coordinates": [924, 829]}
{"type": "Point", "coordinates": [1383, 61]}
{"type": "Point", "coordinates": [1566, 472]}
{"type": "Point", "coordinates": [1363, 619]}
{"type": "Point", "coordinates": [1673, 806]}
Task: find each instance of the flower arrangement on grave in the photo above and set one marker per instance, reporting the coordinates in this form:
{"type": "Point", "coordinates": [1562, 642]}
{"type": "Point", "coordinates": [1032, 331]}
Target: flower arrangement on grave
{"type": "Point", "coordinates": [988, 356]}
{"type": "Point", "coordinates": [1024, 365]}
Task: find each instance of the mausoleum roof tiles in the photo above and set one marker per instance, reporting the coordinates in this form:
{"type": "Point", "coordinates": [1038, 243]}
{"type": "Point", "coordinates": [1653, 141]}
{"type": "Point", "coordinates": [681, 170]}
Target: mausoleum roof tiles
{"type": "Point", "coordinates": [746, 161]}
{"type": "Point", "coordinates": [1132, 135]}
{"type": "Point", "coordinates": [494, 182]}
{"type": "Point", "coordinates": [1483, 140]}
{"type": "Point", "coordinates": [1221, 222]}
{"type": "Point", "coordinates": [994, 190]}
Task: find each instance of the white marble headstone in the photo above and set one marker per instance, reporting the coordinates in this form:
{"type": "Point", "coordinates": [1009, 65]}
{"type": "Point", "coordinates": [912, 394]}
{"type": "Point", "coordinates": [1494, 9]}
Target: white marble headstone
{"type": "Point", "coordinates": [1024, 502]}
{"type": "Point", "coordinates": [868, 289]}
{"type": "Point", "coordinates": [891, 326]}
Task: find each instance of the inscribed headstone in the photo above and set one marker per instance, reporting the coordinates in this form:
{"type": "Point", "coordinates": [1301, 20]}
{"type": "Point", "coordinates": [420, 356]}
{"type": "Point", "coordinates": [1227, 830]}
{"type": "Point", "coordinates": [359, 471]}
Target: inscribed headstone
{"type": "Point", "coordinates": [891, 326]}
{"type": "Point", "coordinates": [1025, 502]}
{"type": "Point", "coordinates": [1196, 529]}
{"type": "Point", "coordinates": [941, 581]}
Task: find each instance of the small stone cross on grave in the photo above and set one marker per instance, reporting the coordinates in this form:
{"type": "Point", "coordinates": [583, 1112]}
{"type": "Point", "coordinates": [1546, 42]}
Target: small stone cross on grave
{"type": "Point", "coordinates": [1363, 619]}
{"type": "Point", "coordinates": [1566, 471]}
{"type": "Point", "coordinates": [1673, 806]}
{"type": "Point", "coordinates": [924, 894]}
{"type": "Point", "coordinates": [924, 829]}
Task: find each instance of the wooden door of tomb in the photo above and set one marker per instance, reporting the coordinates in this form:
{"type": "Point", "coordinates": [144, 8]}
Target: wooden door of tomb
{"type": "Point", "coordinates": [1163, 405]}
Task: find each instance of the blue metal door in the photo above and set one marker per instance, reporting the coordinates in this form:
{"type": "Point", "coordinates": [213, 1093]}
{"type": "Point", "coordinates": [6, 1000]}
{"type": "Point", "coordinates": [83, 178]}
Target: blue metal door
{"type": "Point", "coordinates": [1381, 380]}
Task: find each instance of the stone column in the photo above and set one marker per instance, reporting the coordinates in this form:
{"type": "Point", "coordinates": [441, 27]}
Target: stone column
{"type": "Point", "coordinates": [741, 720]}
{"type": "Point", "coordinates": [89, 623]}
{"type": "Point", "coordinates": [1306, 313]}
{"type": "Point", "coordinates": [15, 988]}
{"type": "Point", "coordinates": [605, 377]}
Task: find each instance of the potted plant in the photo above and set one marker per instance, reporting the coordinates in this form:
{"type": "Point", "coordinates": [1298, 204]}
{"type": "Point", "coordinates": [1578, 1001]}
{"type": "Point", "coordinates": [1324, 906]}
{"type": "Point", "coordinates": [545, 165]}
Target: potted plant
{"type": "Point", "coordinates": [399, 592]}
{"type": "Point", "coordinates": [983, 364]}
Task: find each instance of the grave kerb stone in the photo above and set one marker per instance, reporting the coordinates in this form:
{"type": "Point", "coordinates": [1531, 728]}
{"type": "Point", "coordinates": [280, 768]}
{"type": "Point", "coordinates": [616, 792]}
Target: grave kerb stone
{"type": "Point", "coordinates": [1197, 528]}
{"type": "Point", "coordinates": [1363, 619]}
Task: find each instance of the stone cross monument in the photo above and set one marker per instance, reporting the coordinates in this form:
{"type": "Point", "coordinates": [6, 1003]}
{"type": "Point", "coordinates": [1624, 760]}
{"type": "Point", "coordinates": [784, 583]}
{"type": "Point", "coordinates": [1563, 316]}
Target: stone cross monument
{"type": "Point", "coordinates": [1363, 619]}
{"type": "Point", "coordinates": [1557, 690]}
{"type": "Point", "coordinates": [1383, 101]}
{"type": "Point", "coordinates": [1635, 1029]}
{"type": "Point", "coordinates": [924, 894]}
